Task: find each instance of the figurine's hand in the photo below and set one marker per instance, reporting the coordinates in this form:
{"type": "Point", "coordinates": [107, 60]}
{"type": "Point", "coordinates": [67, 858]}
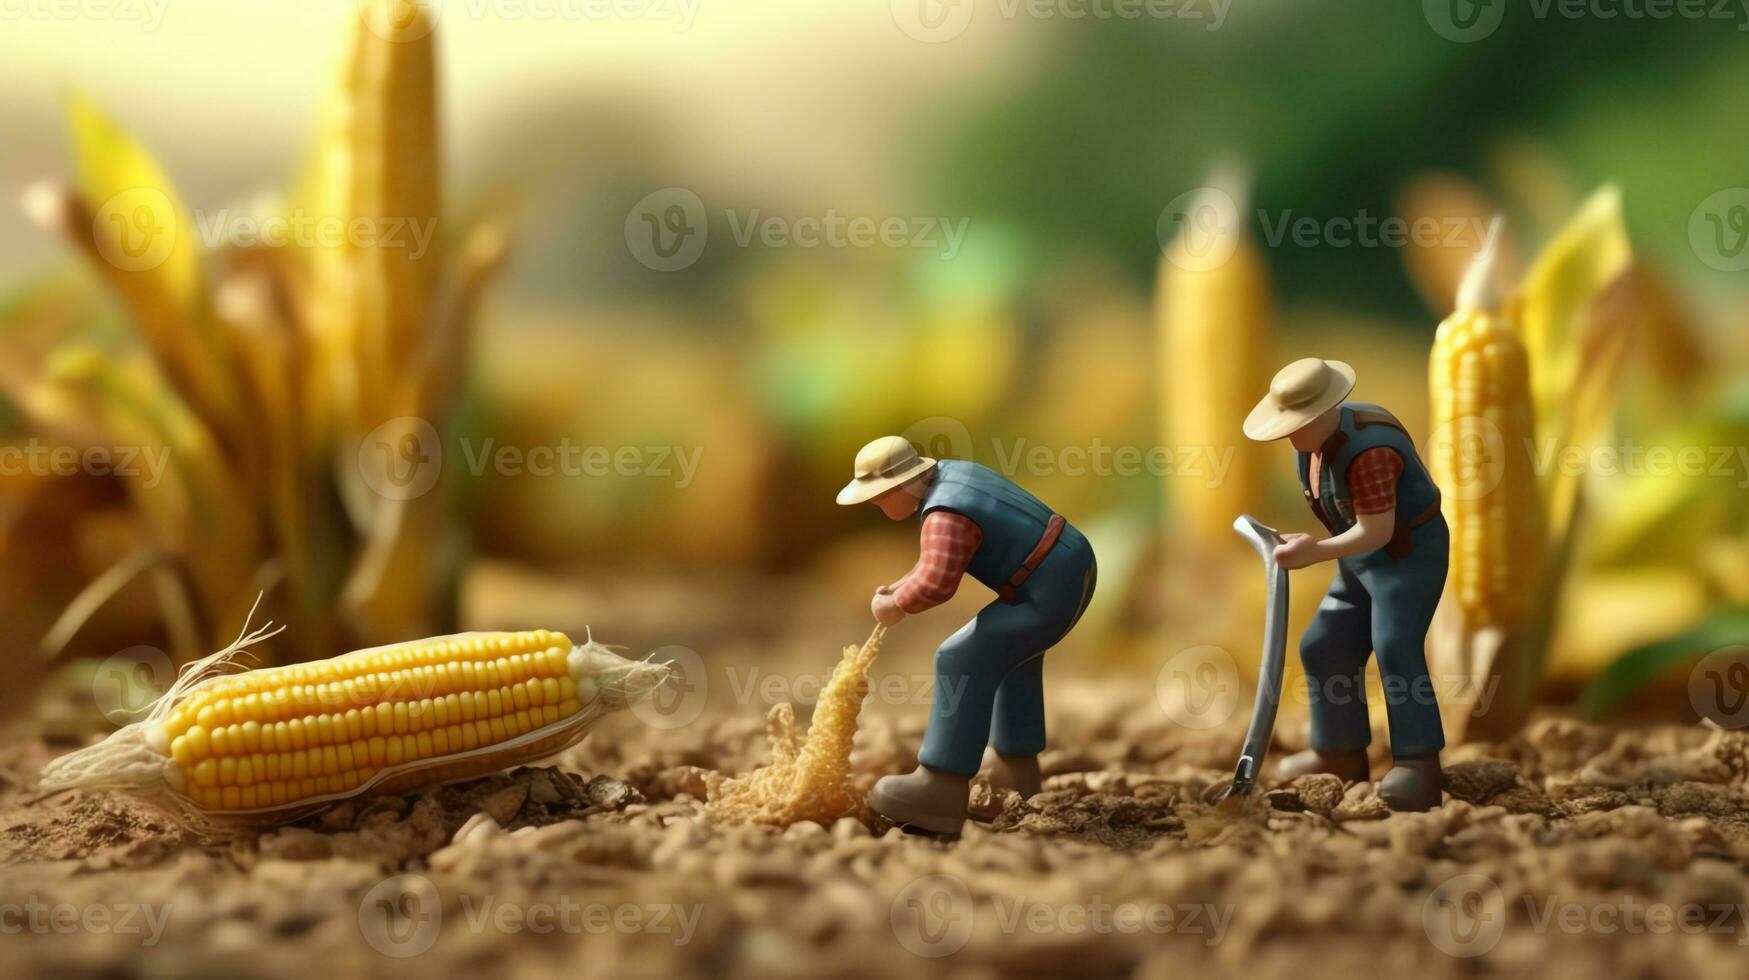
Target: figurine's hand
{"type": "Point", "coordinates": [885, 608]}
{"type": "Point", "coordinates": [1295, 551]}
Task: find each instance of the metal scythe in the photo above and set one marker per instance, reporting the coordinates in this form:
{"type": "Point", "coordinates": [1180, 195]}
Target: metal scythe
{"type": "Point", "coordinates": [1263, 540]}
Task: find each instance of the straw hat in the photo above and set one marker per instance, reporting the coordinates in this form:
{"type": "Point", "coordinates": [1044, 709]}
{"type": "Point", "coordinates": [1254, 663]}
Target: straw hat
{"type": "Point", "coordinates": [882, 465]}
{"type": "Point", "coordinates": [1301, 392]}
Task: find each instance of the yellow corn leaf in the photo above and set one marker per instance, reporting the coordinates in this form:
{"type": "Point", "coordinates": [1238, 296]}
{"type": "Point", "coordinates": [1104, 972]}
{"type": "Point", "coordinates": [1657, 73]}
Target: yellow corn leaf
{"type": "Point", "coordinates": [133, 195]}
{"type": "Point", "coordinates": [1459, 209]}
{"type": "Point", "coordinates": [1570, 271]}
{"type": "Point", "coordinates": [174, 471]}
{"type": "Point", "coordinates": [145, 246]}
{"type": "Point", "coordinates": [1574, 369]}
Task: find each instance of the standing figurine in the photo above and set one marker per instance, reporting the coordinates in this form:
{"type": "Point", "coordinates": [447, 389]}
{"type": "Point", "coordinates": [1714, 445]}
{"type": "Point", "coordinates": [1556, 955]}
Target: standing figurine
{"type": "Point", "coordinates": [989, 676]}
{"type": "Point", "coordinates": [1367, 485]}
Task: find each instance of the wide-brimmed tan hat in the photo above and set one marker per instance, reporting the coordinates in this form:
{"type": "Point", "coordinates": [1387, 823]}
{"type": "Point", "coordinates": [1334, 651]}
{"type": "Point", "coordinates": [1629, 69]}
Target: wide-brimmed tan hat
{"type": "Point", "coordinates": [1301, 392]}
{"type": "Point", "coordinates": [882, 465]}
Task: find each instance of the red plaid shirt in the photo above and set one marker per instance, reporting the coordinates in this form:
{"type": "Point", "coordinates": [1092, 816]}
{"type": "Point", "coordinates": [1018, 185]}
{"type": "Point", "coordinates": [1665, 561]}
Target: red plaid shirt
{"type": "Point", "coordinates": [949, 541]}
{"type": "Point", "coordinates": [1372, 480]}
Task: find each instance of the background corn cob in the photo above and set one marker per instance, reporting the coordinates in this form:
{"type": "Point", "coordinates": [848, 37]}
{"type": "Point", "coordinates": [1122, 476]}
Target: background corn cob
{"type": "Point", "coordinates": [1215, 349]}
{"type": "Point", "coordinates": [279, 742]}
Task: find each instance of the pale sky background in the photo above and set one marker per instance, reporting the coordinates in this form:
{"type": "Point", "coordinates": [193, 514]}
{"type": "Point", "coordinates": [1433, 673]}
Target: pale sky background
{"type": "Point", "coordinates": [803, 95]}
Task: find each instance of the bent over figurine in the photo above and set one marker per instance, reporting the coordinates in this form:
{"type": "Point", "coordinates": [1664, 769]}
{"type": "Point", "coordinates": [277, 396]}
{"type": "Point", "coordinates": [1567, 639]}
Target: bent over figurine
{"type": "Point", "coordinates": [1366, 484]}
{"type": "Point", "coordinates": [989, 676]}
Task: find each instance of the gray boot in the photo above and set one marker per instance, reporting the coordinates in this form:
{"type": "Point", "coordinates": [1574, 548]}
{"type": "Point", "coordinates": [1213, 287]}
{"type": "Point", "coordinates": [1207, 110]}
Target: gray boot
{"type": "Point", "coordinates": [1351, 767]}
{"type": "Point", "coordinates": [923, 799]}
{"type": "Point", "coordinates": [1414, 784]}
{"type": "Point", "coordinates": [1019, 773]}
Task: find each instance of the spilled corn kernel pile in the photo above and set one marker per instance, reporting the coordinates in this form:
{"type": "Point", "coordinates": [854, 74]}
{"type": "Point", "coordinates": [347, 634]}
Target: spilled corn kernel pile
{"type": "Point", "coordinates": [807, 780]}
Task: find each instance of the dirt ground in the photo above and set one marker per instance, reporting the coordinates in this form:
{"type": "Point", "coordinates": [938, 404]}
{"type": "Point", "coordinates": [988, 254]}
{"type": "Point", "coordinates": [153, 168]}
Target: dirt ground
{"type": "Point", "coordinates": [1570, 851]}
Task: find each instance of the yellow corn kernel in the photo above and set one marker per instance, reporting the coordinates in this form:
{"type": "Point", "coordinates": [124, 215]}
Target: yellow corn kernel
{"type": "Point", "coordinates": [1480, 457]}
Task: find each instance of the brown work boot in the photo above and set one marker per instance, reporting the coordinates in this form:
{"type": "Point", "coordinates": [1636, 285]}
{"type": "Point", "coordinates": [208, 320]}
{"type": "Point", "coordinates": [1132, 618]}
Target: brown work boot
{"type": "Point", "coordinates": [1351, 767]}
{"type": "Point", "coordinates": [923, 799]}
{"type": "Point", "coordinates": [1016, 772]}
{"type": "Point", "coordinates": [1413, 785]}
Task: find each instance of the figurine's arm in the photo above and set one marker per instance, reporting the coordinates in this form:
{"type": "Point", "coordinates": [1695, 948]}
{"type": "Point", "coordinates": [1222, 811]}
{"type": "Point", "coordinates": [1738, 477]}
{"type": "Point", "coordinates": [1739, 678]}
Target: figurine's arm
{"type": "Point", "coordinates": [1369, 533]}
{"type": "Point", "coordinates": [1372, 479]}
{"type": "Point", "coordinates": [948, 542]}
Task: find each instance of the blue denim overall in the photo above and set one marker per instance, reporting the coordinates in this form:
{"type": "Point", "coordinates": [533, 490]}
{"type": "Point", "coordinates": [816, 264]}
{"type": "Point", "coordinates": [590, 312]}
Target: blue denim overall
{"type": "Point", "coordinates": [1380, 602]}
{"type": "Point", "coordinates": [989, 676]}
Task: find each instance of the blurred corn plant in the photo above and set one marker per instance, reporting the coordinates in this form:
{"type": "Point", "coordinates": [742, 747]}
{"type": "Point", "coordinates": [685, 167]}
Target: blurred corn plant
{"type": "Point", "coordinates": [1513, 375]}
{"type": "Point", "coordinates": [297, 390]}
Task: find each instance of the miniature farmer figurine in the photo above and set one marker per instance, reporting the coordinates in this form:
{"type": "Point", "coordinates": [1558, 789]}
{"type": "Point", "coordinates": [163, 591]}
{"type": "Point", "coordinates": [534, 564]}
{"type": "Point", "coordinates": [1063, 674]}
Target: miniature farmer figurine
{"type": "Point", "coordinates": [989, 680]}
{"type": "Point", "coordinates": [1368, 487]}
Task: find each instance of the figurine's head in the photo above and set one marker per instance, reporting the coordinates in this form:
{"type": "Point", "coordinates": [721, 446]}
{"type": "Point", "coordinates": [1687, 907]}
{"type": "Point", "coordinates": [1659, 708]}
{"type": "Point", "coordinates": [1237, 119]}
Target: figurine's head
{"type": "Point", "coordinates": [891, 475]}
{"type": "Point", "coordinates": [1302, 403]}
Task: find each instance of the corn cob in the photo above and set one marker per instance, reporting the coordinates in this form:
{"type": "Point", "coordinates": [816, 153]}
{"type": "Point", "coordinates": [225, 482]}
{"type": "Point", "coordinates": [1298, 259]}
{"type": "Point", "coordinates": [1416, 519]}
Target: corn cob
{"type": "Point", "coordinates": [281, 742]}
{"type": "Point", "coordinates": [1483, 422]}
{"type": "Point", "coordinates": [1489, 624]}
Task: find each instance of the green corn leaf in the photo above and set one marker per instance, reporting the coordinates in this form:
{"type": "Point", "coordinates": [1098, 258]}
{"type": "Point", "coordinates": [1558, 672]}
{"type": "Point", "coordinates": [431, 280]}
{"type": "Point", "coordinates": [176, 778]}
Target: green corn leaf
{"type": "Point", "coordinates": [1634, 670]}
